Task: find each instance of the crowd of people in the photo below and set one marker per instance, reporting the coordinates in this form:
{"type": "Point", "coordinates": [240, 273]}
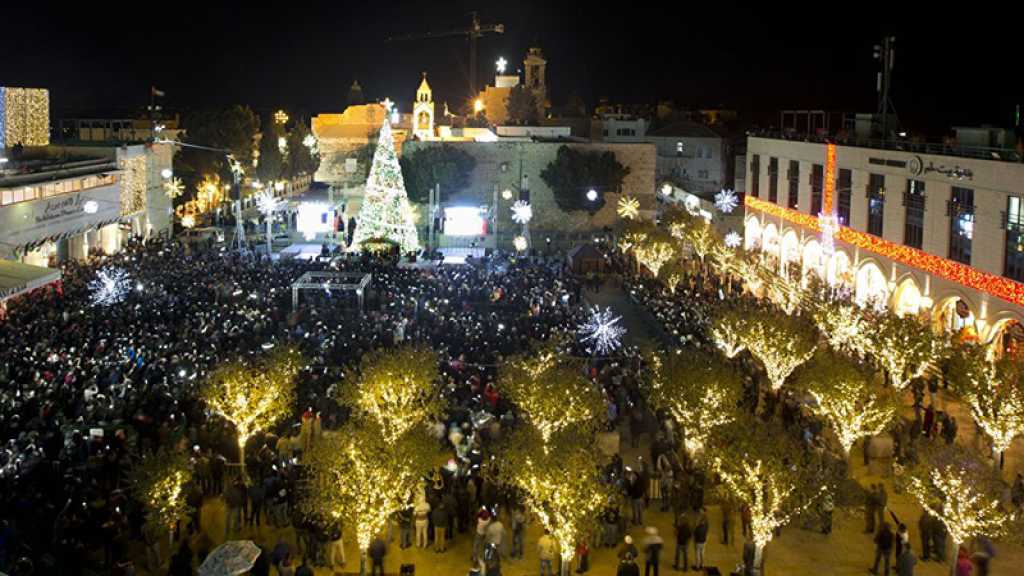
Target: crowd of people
{"type": "Point", "coordinates": [86, 390]}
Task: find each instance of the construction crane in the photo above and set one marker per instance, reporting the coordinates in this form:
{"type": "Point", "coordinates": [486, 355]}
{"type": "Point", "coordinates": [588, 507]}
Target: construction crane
{"type": "Point", "coordinates": [474, 32]}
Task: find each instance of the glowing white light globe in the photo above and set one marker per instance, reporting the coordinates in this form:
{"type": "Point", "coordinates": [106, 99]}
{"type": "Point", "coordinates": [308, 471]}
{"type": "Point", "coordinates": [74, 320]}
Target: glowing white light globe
{"type": "Point", "coordinates": [90, 207]}
{"type": "Point", "coordinates": [666, 190]}
{"type": "Point", "coordinates": [592, 195]}
{"type": "Point", "coordinates": [506, 194]}
{"type": "Point", "coordinates": [166, 173]}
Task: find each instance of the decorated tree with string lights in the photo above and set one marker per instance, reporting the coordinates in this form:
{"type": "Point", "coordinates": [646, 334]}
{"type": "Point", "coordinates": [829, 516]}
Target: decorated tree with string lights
{"type": "Point", "coordinates": [559, 481]}
{"type": "Point", "coordinates": [386, 212]}
{"type": "Point", "coordinates": [552, 393]}
{"type": "Point", "coordinates": [905, 347]}
{"type": "Point", "coordinates": [953, 485]}
{"type": "Point", "coordinates": [845, 326]}
{"type": "Point", "coordinates": [397, 389]}
{"type": "Point", "coordinates": [781, 342]}
{"type": "Point", "coordinates": [700, 390]}
{"type": "Point", "coordinates": [993, 390]}
{"type": "Point", "coordinates": [158, 482]}
{"type": "Point", "coordinates": [728, 325]}
{"type": "Point", "coordinates": [363, 478]}
{"type": "Point", "coordinates": [761, 465]}
{"type": "Point", "coordinates": [672, 274]}
{"type": "Point", "coordinates": [846, 398]}
{"type": "Point", "coordinates": [253, 396]}
{"type": "Point", "coordinates": [656, 249]}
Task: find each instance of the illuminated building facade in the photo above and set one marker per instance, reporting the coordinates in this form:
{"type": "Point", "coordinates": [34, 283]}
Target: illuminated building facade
{"type": "Point", "coordinates": [915, 231]}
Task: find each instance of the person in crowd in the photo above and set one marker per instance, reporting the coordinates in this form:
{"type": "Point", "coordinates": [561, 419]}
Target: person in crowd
{"type": "Point", "coordinates": [884, 542]}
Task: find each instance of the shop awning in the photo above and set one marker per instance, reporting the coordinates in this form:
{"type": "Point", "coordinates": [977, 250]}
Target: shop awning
{"type": "Point", "coordinates": [17, 278]}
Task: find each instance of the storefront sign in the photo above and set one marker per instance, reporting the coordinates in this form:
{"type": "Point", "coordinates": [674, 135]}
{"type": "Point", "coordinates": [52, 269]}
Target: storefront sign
{"type": "Point", "coordinates": [27, 222]}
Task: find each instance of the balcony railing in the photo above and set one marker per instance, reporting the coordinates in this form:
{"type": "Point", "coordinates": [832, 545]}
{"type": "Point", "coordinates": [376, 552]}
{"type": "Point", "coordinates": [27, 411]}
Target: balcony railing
{"type": "Point", "coordinates": [936, 148]}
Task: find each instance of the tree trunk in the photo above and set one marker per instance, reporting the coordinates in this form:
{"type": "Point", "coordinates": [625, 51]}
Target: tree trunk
{"type": "Point", "coordinates": [241, 458]}
{"type": "Point", "coordinates": [953, 559]}
{"type": "Point", "coordinates": [566, 565]}
{"type": "Point", "coordinates": [759, 559]}
{"type": "Point", "coordinates": [362, 561]}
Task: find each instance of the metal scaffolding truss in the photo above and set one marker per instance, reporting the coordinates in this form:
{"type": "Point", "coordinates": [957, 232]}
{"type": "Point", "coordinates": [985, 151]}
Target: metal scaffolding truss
{"type": "Point", "coordinates": [329, 281]}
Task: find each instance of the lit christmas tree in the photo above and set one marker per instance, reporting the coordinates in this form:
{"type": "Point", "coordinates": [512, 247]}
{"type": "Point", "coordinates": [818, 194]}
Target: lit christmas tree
{"type": "Point", "coordinates": [386, 213]}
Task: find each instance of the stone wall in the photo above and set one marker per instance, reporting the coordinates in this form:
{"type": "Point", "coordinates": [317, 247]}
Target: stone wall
{"type": "Point", "coordinates": [498, 167]}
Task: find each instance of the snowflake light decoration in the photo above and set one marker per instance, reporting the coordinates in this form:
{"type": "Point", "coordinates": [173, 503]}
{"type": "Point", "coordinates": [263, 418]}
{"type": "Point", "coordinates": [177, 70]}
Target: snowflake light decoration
{"type": "Point", "coordinates": [629, 207]}
{"type": "Point", "coordinates": [733, 240]}
{"type": "Point", "coordinates": [726, 201]}
{"type": "Point", "coordinates": [174, 188]}
{"type": "Point", "coordinates": [603, 330]}
{"type": "Point", "coordinates": [520, 243]}
{"type": "Point", "coordinates": [522, 212]}
{"type": "Point", "coordinates": [110, 286]}
{"type": "Point", "coordinates": [267, 203]}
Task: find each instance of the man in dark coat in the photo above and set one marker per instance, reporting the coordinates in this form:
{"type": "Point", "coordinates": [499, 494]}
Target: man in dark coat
{"type": "Point", "coordinates": [378, 549]}
{"type": "Point", "coordinates": [683, 534]}
{"type": "Point", "coordinates": [884, 541]}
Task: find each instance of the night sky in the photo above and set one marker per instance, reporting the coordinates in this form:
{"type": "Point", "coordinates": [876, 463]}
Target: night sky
{"type": "Point", "coordinates": [303, 56]}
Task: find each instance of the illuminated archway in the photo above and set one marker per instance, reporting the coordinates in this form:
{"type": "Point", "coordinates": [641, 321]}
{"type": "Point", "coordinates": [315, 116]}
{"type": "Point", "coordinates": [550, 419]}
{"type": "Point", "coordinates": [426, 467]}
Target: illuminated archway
{"type": "Point", "coordinates": [770, 239]}
{"type": "Point", "coordinates": [790, 249]}
{"type": "Point", "coordinates": [871, 288]}
{"type": "Point", "coordinates": [752, 234]}
{"type": "Point", "coordinates": [812, 259]}
{"type": "Point", "coordinates": [955, 316]}
{"type": "Point", "coordinates": [838, 270]}
{"type": "Point", "coordinates": [1008, 339]}
{"type": "Point", "coordinates": [907, 300]}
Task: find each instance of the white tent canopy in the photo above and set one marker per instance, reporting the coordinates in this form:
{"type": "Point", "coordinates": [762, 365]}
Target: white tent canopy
{"type": "Point", "coordinates": [17, 278]}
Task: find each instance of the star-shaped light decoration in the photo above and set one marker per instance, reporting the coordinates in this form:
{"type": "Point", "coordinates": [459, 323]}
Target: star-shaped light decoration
{"type": "Point", "coordinates": [267, 203]}
{"type": "Point", "coordinates": [602, 329]}
{"type": "Point", "coordinates": [110, 286]}
{"type": "Point", "coordinates": [520, 243]}
{"type": "Point", "coordinates": [726, 201]}
{"type": "Point", "coordinates": [733, 240]}
{"type": "Point", "coordinates": [629, 207]}
{"type": "Point", "coordinates": [522, 212]}
{"type": "Point", "coordinates": [501, 64]}
{"type": "Point", "coordinates": [174, 188]}
{"type": "Point", "coordinates": [387, 104]}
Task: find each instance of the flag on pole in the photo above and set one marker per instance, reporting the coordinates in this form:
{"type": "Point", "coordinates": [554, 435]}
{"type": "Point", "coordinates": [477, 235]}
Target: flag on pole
{"type": "Point", "coordinates": [154, 92]}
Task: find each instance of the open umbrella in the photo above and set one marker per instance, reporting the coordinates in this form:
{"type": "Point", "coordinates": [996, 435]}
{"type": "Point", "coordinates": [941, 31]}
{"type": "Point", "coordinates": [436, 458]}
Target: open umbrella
{"type": "Point", "coordinates": [230, 559]}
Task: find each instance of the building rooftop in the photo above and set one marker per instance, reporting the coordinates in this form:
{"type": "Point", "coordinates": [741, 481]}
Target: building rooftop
{"type": "Point", "coordinates": [685, 129]}
{"type": "Point", "coordinates": [947, 148]}
{"type": "Point", "coordinates": [37, 166]}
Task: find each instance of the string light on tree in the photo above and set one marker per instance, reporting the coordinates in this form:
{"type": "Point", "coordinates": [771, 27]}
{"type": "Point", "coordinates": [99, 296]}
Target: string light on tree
{"type": "Point", "coordinates": [253, 396]}
{"type": "Point", "coordinates": [953, 486]}
{"type": "Point", "coordinates": [756, 464]}
{"type": "Point", "coordinates": [158, 482]}
{"type": "Point", "coordinates": [847, 399]}
{"type": "Point", "coordinates": [552, 394]}
{"type": "Point", "coordinates": [700, 391]}
{"type": "Point", "coordinates": [726, 330]}
{"type": "Point", "coordinates": [905, 347]}
{"type": "Point", "coordinates": [111, 286]}
{"type": "Point", "coordinates": [560, 485]}
{"type": "Point", "coordinates": [397, 389]}
{"type": "Point", "coordinates": [993, 390]}
{"type": "Point", "coordinates": [602, 329]}
{"type": "Point", "coordinates": [363, 479]}
{"type": "Point", "coordinates": [726, 201]}
{"type": "Point", "coordinates": [781, 342]}
{"type": "Point", "coordinates": [628, 208]}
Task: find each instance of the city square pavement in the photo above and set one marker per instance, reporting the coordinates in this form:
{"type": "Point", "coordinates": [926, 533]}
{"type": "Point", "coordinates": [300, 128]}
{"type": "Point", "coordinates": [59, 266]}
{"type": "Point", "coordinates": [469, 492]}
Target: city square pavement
{"type": "Point", "coordinates": [846, 551]}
